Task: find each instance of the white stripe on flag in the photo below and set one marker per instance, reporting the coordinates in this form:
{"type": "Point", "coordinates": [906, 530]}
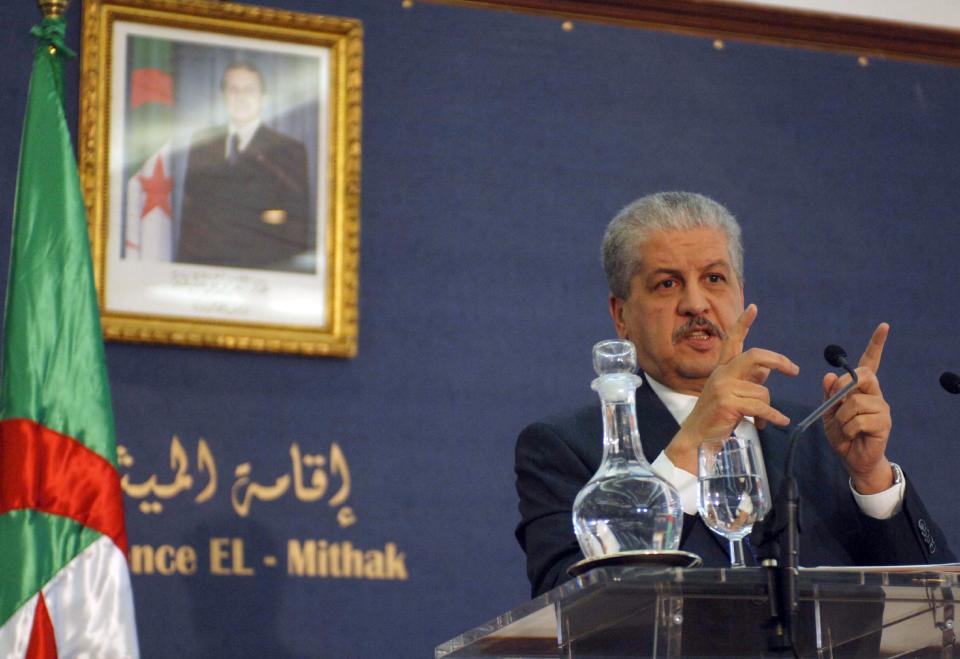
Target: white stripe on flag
{"type": "Point", "coordinates": [91, 607]}
{"type": "Point", "coordinates": [15, 634]}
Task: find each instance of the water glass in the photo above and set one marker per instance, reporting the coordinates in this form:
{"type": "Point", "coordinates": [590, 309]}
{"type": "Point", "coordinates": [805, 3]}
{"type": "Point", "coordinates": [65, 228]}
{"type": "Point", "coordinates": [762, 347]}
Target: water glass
{"type": "Point", "coordinates": [733, 492]}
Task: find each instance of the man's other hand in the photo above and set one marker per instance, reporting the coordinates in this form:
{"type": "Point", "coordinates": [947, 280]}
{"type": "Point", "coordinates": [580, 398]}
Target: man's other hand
{"type": "Point", "coordinates": [858, 427]}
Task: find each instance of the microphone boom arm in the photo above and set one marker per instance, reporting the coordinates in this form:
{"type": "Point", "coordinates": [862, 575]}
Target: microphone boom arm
{"type": "Point", "coordinates": [783, 558]}
{"type": "Point", "coordinates": [814, 416]}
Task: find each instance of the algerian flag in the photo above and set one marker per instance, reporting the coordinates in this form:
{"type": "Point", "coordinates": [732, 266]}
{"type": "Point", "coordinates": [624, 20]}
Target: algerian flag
{"type": "Point", "coordinates": [64, 580]}
{"type": "Point", "coordinates": [148, 215]}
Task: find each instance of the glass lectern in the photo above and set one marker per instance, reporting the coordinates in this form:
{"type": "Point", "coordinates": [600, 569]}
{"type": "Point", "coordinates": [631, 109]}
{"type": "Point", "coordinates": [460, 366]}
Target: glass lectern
{"type": "Point", "coordinates": [649, 612]}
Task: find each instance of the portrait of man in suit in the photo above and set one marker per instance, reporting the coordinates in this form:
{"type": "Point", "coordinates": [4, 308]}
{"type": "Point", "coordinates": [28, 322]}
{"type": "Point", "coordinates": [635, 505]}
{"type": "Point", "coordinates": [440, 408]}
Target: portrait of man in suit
{"type": "Point", "coordinates": [246, 194]}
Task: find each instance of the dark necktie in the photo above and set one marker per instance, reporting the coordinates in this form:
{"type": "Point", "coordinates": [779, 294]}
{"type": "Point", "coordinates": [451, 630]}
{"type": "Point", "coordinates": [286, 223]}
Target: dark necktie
{"type": "Point", "coordinates": [233, 150]}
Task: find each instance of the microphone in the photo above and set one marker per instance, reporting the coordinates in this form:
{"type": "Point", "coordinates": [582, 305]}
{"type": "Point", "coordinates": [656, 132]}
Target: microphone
{"type": "Point", "coordinates": [784, 519]}
{"type": "Point", "coordinates": [836, 356]}
{"type": "Point", "coordinates": [950, 382]}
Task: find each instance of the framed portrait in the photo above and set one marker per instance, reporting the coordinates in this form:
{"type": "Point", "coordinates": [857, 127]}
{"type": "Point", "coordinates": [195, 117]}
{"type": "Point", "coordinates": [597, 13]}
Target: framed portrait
{"type": "Point", "coordinates": [219, 156]}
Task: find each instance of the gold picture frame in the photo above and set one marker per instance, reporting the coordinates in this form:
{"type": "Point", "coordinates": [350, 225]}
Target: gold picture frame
{"type": "Point", "coordinates": [219, 154]}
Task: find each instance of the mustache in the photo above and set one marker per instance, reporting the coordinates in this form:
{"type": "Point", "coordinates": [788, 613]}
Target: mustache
{"type": "Point", "coordinates": [698, 323]}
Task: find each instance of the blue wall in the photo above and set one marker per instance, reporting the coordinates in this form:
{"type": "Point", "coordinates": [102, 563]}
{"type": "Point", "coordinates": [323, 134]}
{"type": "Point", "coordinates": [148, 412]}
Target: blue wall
{"type": "Point", "coordinates": [496, 146]}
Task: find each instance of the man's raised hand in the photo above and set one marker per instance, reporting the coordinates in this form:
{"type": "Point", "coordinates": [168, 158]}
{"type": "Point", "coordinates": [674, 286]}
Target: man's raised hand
{"type": "Point", "coordinates": [858, 427]}
{"type": "Point", "coordinates": [734, 390]}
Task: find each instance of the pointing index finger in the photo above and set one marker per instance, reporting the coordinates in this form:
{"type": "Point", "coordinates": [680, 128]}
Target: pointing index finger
{"type": "Point", "coordinates": [733, 343]}
{"type": "Point", "coordinates": [871, 356]}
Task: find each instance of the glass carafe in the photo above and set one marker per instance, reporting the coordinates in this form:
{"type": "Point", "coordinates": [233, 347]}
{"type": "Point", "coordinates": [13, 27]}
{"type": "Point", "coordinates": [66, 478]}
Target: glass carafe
{"type": "Point", "coordinates": [625, 506]}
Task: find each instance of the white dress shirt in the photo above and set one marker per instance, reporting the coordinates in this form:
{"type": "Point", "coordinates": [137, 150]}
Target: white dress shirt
{"type": "Point", "coordinates": [244, 135]}
{"type": "Point", "coordinates": [882, 505]}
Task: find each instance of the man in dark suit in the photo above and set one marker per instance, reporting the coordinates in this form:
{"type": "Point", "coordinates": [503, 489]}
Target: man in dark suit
{"type": "Point", "coordinates": [674, 264]}
{"type": "Point", "coordinates": [246, 198]}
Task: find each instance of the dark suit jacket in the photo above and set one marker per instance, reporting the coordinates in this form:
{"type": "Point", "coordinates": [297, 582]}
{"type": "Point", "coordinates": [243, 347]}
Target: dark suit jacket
{"type": "Point", "coordinates": [222, 220]}
{"type": "Point", "coordinates": [557, 456]}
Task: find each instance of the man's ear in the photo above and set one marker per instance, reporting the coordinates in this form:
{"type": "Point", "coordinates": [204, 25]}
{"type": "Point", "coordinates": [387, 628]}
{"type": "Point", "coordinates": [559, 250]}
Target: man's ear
{"type": "Point", "coordinates": [616, 314]}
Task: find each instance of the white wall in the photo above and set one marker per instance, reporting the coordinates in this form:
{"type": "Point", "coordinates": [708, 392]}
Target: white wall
{"type": "Point", "coordinates": [934, 13]}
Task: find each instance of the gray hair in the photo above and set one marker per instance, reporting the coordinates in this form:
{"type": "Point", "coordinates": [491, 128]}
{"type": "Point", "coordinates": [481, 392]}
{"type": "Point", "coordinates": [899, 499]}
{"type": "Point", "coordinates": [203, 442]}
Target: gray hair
{"type": "Point", "coordinates": [663, 211]}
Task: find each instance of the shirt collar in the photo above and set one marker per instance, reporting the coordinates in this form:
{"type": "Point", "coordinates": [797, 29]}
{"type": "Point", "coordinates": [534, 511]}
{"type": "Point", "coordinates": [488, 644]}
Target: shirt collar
{"type": "Point", "coordinates": [245, 133]}
{"type": "Point", "coordinates": [679, 405]}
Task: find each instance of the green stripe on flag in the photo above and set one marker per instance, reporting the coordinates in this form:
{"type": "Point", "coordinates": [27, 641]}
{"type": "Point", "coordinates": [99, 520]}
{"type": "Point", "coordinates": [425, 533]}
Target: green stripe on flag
{"type": "Point", "coordinates": [150, 53]}
{"type": "Point", "coordinates": [35, 546]}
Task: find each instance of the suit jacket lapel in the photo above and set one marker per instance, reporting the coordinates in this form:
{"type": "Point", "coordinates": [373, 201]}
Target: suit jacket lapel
{"type": "Point", "coordinates": [657, 427]}
{"type": "Point", "coordinates": [654, 422]}
{"type": "Point", "coordinates": [773, 443]}
{"type": "Point", "coordinates": [258, 141]}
